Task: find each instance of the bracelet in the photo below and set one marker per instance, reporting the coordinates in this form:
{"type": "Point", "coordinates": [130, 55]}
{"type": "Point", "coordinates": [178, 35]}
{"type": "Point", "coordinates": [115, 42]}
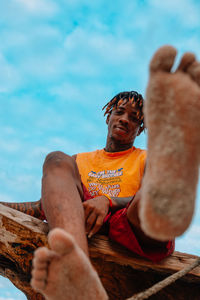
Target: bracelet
{"type": "Point", "coordinates": [110, 200]}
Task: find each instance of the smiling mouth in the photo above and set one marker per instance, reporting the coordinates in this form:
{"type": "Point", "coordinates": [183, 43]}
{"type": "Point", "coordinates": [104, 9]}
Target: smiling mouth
{"type": "Point", "coordinates": [122, 128]}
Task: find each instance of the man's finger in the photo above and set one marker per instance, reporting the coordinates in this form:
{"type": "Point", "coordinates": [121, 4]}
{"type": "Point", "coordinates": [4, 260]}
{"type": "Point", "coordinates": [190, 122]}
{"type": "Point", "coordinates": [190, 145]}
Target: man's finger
{"type": "Point", "coordinates": [87, 210]}
{"type": "Point", "coordinates": [97, 226]}
{"type": "Point", "coordinates": [90, 221]}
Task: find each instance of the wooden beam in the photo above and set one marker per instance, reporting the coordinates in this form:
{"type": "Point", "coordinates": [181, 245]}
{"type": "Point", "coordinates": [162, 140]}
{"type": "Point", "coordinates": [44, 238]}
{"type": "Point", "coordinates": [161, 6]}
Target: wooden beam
{"type": "Point", "coordinates": [122, 273]}
{"type": "Point", "coordinates": [20, 235]}
{"type": "Point", "coordinates": [121, 256]}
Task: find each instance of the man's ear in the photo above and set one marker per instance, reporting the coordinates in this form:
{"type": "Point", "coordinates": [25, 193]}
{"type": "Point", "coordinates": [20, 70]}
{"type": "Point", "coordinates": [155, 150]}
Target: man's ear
{"type": "Point", "coordinates": [108, 118]}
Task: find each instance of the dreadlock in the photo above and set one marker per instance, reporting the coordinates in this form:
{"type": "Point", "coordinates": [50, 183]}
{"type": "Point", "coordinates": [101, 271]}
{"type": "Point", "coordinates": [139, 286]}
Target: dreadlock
{"type": "Point", "coordinates": [134, 98]}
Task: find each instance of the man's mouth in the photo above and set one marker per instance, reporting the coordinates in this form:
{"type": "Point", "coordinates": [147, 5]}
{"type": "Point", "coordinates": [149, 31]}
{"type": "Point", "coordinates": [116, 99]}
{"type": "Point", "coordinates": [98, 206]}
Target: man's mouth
{"type": "Point", "coordinates": [122, 128]}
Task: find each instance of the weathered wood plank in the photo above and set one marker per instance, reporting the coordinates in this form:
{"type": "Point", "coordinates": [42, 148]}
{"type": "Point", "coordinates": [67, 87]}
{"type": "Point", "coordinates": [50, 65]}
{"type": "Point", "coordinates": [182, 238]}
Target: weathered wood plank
{"type": "Point", "coordinates": [20, 235]}
{"type": "Point", "coordinates": [122, 273]}
{"type": "Point", "coordinates": [119, 255]}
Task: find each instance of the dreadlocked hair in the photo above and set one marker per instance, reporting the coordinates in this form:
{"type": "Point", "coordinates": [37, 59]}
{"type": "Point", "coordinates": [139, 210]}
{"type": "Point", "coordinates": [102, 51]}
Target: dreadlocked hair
{"type": "Point", "coordinates": [134, 98]}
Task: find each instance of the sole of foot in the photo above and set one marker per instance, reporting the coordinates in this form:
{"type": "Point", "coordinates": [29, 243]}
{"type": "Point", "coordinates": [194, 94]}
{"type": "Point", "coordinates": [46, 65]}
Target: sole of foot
{"type": "Point", "coordinates": [65, 272]}
{"type": "Point", "coordinates": [172, 116]}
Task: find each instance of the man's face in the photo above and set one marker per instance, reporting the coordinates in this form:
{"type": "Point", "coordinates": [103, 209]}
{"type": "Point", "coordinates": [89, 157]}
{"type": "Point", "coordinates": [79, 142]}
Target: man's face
{"type": "Point", "coordinates": [123, 124]}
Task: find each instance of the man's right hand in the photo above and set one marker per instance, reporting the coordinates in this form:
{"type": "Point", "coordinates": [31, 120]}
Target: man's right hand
{"type": "Point", "coordinates": [96, 209]}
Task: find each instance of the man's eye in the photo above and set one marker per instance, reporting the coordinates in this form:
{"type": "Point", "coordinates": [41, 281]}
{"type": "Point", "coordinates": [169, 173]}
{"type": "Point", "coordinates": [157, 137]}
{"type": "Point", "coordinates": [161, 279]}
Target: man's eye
{"type": "Point", "coordinates": [135, 119]}
{"type": "Point", "coordinates": [119, 112]}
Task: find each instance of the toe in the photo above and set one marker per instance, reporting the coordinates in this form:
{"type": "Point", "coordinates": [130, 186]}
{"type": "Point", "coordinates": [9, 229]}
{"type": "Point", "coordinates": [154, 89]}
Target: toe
{"type": "Point", "coordinates": [60, 241]}
{"type": "Point", "coordinates": [163, 59]}
{"type": "Point", "coordinates": [187, 59]}
{"type": "Point", "coordinates": [38, 274]}
{"type": "Point", "coordinates": [43, 255]}
{"type": "Point", "coordinates": [41, 265]}
{"type": "Point", "coordinates": [38, 285]}
{"type": "Point", "coordinates": [194, 71]}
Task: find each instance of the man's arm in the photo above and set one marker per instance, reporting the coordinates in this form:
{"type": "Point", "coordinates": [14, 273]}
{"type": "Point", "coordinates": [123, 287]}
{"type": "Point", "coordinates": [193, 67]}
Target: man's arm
{"type": "Point", "coordinates": [119, 202]}
{"type": "Point", "coordinates": [33, 209]}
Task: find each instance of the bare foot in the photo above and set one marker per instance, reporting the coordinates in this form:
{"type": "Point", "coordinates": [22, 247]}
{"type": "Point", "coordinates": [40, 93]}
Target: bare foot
{"type": "Point", "coordinates": [172, 115]}
{"type": "Point", "coordinates": [65, 272]}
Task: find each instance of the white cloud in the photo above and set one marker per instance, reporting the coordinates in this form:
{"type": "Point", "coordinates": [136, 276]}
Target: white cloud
{"type": "Point", "coordinates": [6, 198]}
{"type": "Point", "coordinates": [68, 146]}
{"type": "Point", "coordinates": [29, 38]}
{"type": "Point", "coordinates": [100, 46]}
{"type": "Point", "coordinates": [194, 231]}
{"type": "Point", "coordinates": [9, 291]}
{"type": "Point", "coordinates": [24, 182]}
{"type": "Point", "coordinates": [78, 93]}
{"type": "Point", "coordinates": [191, 44]}
{"type": "Point", "coordinates": [186, 10]}
{"type": "Point", "coordinates": [7, 130]}
{"type": "Point", "coordinates": [67, 90]}
{"type": "Point", "coordinates": [13, 38]}
{"type": "Point", "coordinates": [42, 7]}
{"type": "Point", "coordinates": [189, 242]}
{"type": "Point", "coordinates": [10, 146]}
{"type": "Point", "coordinates": [43, 66]}
{"type": "Point", "coordinates": [20, 187]}
{"type": "Point", "coordinates": [9, 76]}
{"type": "Point", "coordinates": [37, 152]}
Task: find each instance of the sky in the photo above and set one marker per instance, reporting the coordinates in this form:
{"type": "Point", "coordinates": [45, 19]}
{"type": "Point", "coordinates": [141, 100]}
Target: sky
{"type": "Point", "coordinates": [60, 62]}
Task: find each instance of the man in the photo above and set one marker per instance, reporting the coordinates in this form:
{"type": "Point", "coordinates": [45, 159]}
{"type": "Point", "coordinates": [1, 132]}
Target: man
{"type": "Point", "coordinates": [98, 190]}
{"type": "Point", "coordinates": [158, 212]}
{"type": "Point", "coordinates": [95, 191]}
{"type": "Point", "coordinates": [115, 171]}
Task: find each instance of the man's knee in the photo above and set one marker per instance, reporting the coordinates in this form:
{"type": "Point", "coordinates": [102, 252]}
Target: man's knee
{"type": "Point", "coordinates": [58, 160]}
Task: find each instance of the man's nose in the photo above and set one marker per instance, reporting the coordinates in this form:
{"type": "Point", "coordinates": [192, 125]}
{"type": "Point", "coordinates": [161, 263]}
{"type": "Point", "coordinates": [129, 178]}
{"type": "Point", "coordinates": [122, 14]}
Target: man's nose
{"type": "Point", "coordinates": [124, 118]}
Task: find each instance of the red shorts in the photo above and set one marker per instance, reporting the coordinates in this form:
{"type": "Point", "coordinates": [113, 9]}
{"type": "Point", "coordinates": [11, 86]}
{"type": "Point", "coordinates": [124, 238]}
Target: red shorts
{"type": "Point", "coordinates": [119, 230]}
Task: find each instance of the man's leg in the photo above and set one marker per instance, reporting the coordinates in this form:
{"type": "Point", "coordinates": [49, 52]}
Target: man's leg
{"type": "Point", "coordinates": [172, 114]}
{"type": "Point", "coordinates": [146, 246]}
{"type": "Point", "coordinates": [62, 196]}
{"type": "Point", "coordinates": [64, 272]}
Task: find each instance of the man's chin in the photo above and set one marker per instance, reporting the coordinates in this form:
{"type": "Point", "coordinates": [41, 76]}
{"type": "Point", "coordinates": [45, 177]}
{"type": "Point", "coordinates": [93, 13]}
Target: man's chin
{"type": "Point", "coordinates": [121, 139]}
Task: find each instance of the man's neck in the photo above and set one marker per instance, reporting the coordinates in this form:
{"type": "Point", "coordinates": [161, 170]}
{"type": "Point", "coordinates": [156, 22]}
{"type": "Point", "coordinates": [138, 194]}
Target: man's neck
{"type": "Point", "coordinates": [112, 146]}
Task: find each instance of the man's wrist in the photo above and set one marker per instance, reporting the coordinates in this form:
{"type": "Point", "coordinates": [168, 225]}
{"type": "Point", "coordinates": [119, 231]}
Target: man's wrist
{"type": "Point", "coordinates": [109, 199]}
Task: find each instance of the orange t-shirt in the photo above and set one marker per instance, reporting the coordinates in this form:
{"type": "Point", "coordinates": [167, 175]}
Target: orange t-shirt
{"type": "Point", "coordinates": [117, 174]}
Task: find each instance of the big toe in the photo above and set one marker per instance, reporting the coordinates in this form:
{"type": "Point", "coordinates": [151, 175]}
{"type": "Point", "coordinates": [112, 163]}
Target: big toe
{"type": "Point", "coordinates": [163, 59]}
{"type": "Point", "coordinates": [60, 241]}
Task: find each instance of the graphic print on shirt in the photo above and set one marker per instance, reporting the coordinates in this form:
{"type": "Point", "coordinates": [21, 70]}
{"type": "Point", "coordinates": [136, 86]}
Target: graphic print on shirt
{"type": "Point", "coordinates": [105, 182]}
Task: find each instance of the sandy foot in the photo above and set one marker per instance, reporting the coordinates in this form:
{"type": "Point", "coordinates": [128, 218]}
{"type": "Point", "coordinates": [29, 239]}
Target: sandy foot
{"type": "Point", "coordinates": [172, 115]}
{"type": "Point", "coordinates": [65, 272]}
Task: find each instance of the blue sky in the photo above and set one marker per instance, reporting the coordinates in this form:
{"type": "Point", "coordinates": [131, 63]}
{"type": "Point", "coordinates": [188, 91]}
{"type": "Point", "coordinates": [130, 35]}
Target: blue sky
{"type": "Point", "coordinates": [60, 62]}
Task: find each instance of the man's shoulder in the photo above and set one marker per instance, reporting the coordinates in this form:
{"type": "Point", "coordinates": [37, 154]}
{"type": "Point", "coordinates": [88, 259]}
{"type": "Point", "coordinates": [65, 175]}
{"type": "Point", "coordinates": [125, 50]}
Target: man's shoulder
{"type": "Point", "coordinates": [140, 154]}
{"type": "Point", "coordinates": [140, 151]}
{"type": "Point", "coordinates": [89, 153]}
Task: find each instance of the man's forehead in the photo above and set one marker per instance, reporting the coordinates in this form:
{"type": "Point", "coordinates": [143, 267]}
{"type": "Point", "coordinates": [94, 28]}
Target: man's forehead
{"type": "Point", "coordinates": [127, 105]}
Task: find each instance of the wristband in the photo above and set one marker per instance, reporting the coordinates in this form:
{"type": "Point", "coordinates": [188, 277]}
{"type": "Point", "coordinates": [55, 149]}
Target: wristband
{"type": "Point", "coordinates": [110, 200]}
